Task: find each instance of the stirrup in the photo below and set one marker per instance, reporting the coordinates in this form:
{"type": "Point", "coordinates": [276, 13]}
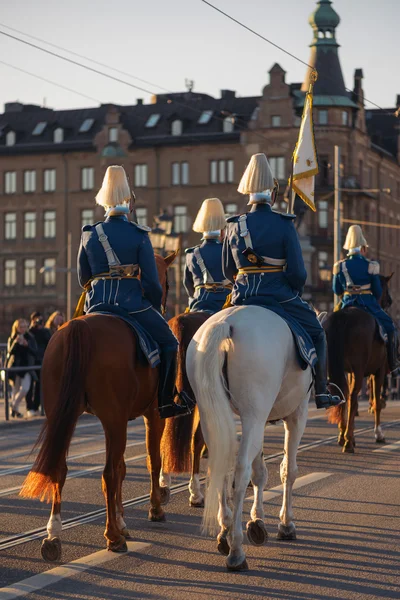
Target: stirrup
{"type": "Point", "coordinates": [327, 400]}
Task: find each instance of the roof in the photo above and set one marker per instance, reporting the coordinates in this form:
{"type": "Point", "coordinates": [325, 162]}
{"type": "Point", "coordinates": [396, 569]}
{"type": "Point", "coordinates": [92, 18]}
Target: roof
{"type": "Point", "coordinates": [383, 129]}
{"type": "Point", "coordinates": [186, 107]}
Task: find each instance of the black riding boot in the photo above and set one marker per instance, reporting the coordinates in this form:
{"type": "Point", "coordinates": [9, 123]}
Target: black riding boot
{"type": "Point", "coordinates": [323, 398]}
{"type": "Point", "coordinates": [167, 390]}
{"type": "Point", "coordinates": [392, 353]}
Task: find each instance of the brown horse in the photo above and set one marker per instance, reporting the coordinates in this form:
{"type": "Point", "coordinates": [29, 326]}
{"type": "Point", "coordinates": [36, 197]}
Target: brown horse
{"type": "Point", "coordinates": [183, 440]}
{"type": "Point", "coordinates": [356, 350]}
{"type": "Point", "coordinates": [92, 365]}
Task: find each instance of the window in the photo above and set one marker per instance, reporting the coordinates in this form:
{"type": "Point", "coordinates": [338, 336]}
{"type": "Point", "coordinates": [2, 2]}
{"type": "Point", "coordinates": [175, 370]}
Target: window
{"type": "Point", "coordinates": [87, 178]}
{"type": "Point", "coordinates": [254, 114]}
{"type": "Point", "coordinates": [180, 219]}
{"type": "Point", "coordinates": [30, 225]}
{"type": "Point", "coordinates": [229, 124]}
{"type": "Point", "coordinates": [86, 125]}
{"type": "Point", "coordinates": [30, 271]}
{"type": "Point", "coordinates": [361, 173]}
{"type": "Point", "coordinates": [322, 214]}
{"type": "Point", "coordinates": [58, 135]}
{"type": "Point", "coordinates": [87, 216]}
{"type": "Point", "coordinates": [10, 182]}
{"type": "Point", "coordinates": [180, 173]}
{"type": "Point", "coordinates": [221, 171]}
{"type": "Point", "coordinates": [10, 272]}
{"type": "Point", "coordinates": [276, 121]}
{"type": "Point", "coordinates": [297, 121]}
{"type": "Point", "coordinates": [231, 209]}
{"type": "Point", "coordinates": [176, 127]}
{"type": "Point", "coordinates": [29, 182]}
{"type": "Point", "coordinates": [205, 117]}
{"type": "Point", "coordinates": [49, 272]}
{"type": "Point", "coordinates": [323, 117]}
{"type": "Point", "coordinates": [322, 259]}
{"type": "Point", "coordinates": [49, 180]}
{"type": "Point", "coordinates": [141, 215]}
{"type": "Point", "coordinates": [113, 134]}
{"type": "Point", "coordinates": [140, 175]}
{"type": "Point", "coordinates": [152, 120]}
{"type": "Point", "coordinates": [10, 226]}
{"type": "Point", "coordinates": [49, 224]}
{"type": "Point", "coordinates": [345, 118]}
{"type": "Point", "coordinates": [11, 138]}
{"type": "Point", "coordinates": [39, 128]}
{"type": "Point", "coordinates": [278, 167]}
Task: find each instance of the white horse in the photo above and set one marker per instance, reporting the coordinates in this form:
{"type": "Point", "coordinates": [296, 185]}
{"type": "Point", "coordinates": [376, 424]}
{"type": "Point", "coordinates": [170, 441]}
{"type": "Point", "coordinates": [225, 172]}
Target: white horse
{"type": "Point", "coordinates": [243, 361]}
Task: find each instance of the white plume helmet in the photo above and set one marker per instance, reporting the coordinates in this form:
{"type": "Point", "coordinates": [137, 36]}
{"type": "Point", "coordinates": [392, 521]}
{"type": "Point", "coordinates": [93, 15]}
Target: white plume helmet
{"type": "Point", "coordinates": [355, 238]}
{"type": "Point", "coordinates": [115, 189]}
{"type": "Point", "coordinates": [257, 177]}
{"type": "Point", "coordinates": [211, 216]}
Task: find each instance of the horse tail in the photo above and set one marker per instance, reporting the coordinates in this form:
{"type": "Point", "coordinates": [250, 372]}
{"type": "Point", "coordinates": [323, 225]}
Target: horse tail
{"type": "Point", "coordinates": [335, 327]}
{"type": "Point", "coordinates": [216, 415]}
{"type": "Point", "coordinates": [55, 437]}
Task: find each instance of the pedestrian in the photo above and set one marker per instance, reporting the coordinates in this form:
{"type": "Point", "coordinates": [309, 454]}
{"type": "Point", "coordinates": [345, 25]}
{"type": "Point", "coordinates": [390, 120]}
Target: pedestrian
{"type": "Point", "coordinates": [54, 322]}
{"type": "Point", "coordinates": [21, 352]}
{"type": "Point", "coordinates": [42, 336]}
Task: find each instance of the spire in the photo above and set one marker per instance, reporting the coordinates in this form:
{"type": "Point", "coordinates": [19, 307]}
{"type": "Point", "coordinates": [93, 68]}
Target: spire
{"type": "Point", "coordinates": [324, 52]}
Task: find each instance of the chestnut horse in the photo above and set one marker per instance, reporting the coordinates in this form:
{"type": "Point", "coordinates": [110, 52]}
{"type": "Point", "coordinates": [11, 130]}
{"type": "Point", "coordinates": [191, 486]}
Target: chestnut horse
{"type": "Point", "coordinates": [355, 348]}
{"type": "Point", "coordinates": [183, 441]}
{"type": "Point", "coordinates": [92, 365]}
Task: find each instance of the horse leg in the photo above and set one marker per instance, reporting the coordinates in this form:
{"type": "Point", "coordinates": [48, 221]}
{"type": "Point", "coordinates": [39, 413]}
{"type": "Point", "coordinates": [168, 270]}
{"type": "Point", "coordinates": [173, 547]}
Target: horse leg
{"type": "Point", "coordinates": [224, 520]}
{"type": "Point", "coordinates": [196, 497]}
{"type": "Point", "coordinates": [256, 531]}
{"type": "Point", "coordinates": [158, 496]}
{"type": "Point", "coordinates": [119, 506]}
{"type": "Point", "coordinates": [295, 425]}
{"type": "Point", "coordinates": [115, 448]}
{"type": "Point", "coordinates": [51, 546]}
{"type": "Point", "coordinates": [355, 387]}
{"type": "Point", "coordinates": [378, 384]}
{"type": "Point", "coordinates": [250, 447]}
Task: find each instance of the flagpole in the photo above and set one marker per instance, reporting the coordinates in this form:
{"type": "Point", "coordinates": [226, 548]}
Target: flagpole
{"type": "Point", "coordinates": [290, 207]}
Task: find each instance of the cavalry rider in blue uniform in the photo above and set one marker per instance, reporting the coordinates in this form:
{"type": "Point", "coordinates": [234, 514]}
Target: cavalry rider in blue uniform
{"type": "Point", "coordinates": [262, 254]}
{"type": "Point", "coordinates": [111, 256]}
{"type": "Point", "coordinates": [356, 280]}
{"type": "Point", "coordinates": [204, 280]}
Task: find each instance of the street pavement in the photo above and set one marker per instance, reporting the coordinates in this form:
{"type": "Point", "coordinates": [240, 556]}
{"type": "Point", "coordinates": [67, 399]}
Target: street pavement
{"type": "Point", "coordinates": [345, 506]}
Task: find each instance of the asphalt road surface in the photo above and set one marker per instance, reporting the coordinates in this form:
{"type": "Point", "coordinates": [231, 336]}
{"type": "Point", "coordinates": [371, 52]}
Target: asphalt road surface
{"type": "Point", "coordinates": [346, 512]}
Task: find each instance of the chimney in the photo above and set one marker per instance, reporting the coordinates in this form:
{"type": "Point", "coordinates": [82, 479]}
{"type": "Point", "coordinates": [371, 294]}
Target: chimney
{"type": "Point", "coordinates": [225, 94]}
{"type": "Point", "coordinates": [139, 101]}
{"type": "Point", "coordinates": [13, 107]}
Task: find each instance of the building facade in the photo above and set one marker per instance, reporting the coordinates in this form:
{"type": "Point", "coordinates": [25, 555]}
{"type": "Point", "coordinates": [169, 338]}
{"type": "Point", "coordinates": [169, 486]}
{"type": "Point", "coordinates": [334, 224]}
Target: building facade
{"type": "Point", "coordinates": [180, 149]}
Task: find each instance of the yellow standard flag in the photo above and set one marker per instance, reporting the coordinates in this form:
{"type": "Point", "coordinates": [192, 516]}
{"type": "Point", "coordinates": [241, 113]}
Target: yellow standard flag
{"type": "Point", "coordinates": [305, 160]}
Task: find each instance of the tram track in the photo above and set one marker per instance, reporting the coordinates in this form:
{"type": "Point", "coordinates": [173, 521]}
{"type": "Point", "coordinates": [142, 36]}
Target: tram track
{"type": "Point", "coordinates": [35, 534]}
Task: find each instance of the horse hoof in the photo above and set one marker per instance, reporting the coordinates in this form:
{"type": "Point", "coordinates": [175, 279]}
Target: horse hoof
{"type": "Point", "coordinates": [371, 410]}
{"type": "Point", "coordinates": [156, 517]}
{"type": "Point", "coordinates": [51, 549]}
{"type": "Point", "coordinates": [223, 546]}
{"type": "Point", "coordinates": [340, 440]}
{"type": "Point", "coordinates": [165, 493]}
{"type": "Point", "coordinates": [256, 532]}
{"type": "Point", "coordinates": [118, 546]}
{"type": "Point", "coordinates": [243, 566]}
{"type": "Point", "coordinates": [126, 534]}
{"type": "Point", "coordinates": [348, 447]}
{"type": "Point", "coordinates": [199, 504]}
{"type": "Point", "coordinates": [380, 441]}
{"type": "Point", "coordinates": [286, 532]}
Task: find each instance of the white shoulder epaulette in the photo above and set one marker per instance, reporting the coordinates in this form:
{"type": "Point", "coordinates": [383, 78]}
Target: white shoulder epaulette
{"type": "Point", "coordinates": [141, 227]}
{"type": "Point", "coordinates": [373, 267]}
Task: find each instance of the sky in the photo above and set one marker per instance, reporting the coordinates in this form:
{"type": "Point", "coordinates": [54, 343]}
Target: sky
{"type": "Point", "coordinates": [168, 41]}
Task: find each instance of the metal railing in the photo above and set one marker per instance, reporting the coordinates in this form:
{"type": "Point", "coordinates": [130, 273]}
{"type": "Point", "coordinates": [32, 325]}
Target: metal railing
{"type": "Point", "coordinates": [6, 385]}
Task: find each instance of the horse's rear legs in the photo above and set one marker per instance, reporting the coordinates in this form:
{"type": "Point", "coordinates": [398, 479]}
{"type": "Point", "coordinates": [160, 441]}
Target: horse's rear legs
{"type": "Point", "coordinates": [115, 448]}
{"type": "Point", "coordinates": [196, 497]}
{"type": "Point", "coordinates": [352, 407]}
{"type": "Point", "coordinates": [256, 530]}
{"type": "Point", "coordinates": [154, 430]}
{"type": "Point", "coordinates": [378, 381]}
{"type": "Point", "coordinates": [51, 546]}
{"type": "Point", "coordinates": [294, 429]}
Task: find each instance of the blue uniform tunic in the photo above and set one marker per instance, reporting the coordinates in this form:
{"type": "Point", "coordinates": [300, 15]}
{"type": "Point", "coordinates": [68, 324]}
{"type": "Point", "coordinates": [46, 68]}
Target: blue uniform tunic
{"type": "Point", "coordinates": [202, 298]}
{"type": "Point", "coordinates": [356, 270]}
{"type": "Point", "coordinates": [273, 235]}
{"type": "Point", "coordinates": [141, 298]}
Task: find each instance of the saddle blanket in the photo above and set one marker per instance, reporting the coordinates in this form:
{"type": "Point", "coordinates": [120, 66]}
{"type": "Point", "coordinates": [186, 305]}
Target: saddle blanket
{"type": "Point", "coordinates": [147, 345]}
